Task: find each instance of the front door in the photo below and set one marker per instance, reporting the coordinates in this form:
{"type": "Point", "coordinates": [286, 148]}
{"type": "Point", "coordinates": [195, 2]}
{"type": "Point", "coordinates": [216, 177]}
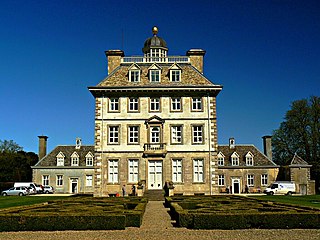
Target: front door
{"type": "Point", "coordinates": [74, 185]}
{"type": "Point", "coordinates": [155, 175]}
{"type": "Point", "coordinates": [235, 186]}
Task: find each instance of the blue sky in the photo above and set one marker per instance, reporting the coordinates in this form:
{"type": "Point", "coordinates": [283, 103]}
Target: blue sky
{"type": "Point", "coordinates": [266, 54]}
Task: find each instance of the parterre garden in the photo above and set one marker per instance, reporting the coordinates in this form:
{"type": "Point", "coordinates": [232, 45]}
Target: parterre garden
{"type": "Point", "coordinates": [75, 213]}
{"type": "Point", "coordinates": [236, 212]}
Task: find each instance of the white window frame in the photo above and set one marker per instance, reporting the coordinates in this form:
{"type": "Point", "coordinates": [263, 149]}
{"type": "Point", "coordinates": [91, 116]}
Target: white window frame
{"type": "Point", "coordinates": [74, 159]}
{"type": "Point", "coordinates": [197, 104]}
{"type": "Point", "coordinates": [155, 104]}
{"type": "Point", "coordinates": [198, 170]}
{"type": "Point", "coordinates": [249, 159]}
{"type": "Point", "coordinates": [155, 134]}
{"type": "Point", "coordinates": [177, 170]}
{"type": "Point", "coordinates": [175, 75]}
{"type": "Point", "coordinates": [220, 161]}
{"type": "Point", "coordinates": [89, 160]}
{"type": "Point", "coordinates": [176, 134]}
{"type": "Point", "coordinates": [221, 180]}
{"type": "Point", "coordinates": [264, 179]}
{"type": "Point", "coordinates": [113, 170]}
{"type": "Point", "coordinates": [45, 180]}
{"type": "Point", "coordinates": [134, 75]}
{"type": "Point", "coordinates": [114, 104]}
{"type": "Point", "coordinates": [89, 180]}
{"type": "Point", "coordinates": [250, 180]}
{"type": "Point", "coordinates": [113, 134]}
{"type": "Point", "coordinates": [133, 134]}
{"type": "Point", "coordinates": [133, 104]}
{"type": "Point", "coordinates": [59, 179]}
{"type": "Point", "coordinates": [197, 134]}
{"type": "Point", "coordinates": [235, 159]}
{"type": "Point", "coordinates": [155, 75]}
{"type": "Point", "coordinates": [133, 170]}
{"type": "Point", "coordinates": [60, 161]}
{"type": "Point", "coordinates": [176, 104]}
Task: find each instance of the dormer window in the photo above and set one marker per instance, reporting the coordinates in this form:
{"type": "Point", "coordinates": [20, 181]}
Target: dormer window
{"type": "Point", "coordinates": [249, 159]}
{"type": "Point", "coordinates": [175, 73]}
{"type": "Point", "coordinates": [134, 73]}
{"type": "Point", "coordinates": [220, 159]}
{"type": "Point", "coordinates": [89, 159]}
{"type": "Point", "coordinates": [74, 159]}
{"type": "Point", "coordinates": [60, 159]}
{"type": "Point", "coordinates": [235, 159]}
{"type": "Point", "coordinates": [154, 73]}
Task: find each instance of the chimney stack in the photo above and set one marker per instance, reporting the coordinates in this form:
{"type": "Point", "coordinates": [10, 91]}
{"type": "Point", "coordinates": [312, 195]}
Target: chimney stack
{"type": "Point", "coordinates": [196, 58]}
{"type": "Point", "coordinates": [267, 146]}
{"type": "Point", "coordinates": [114, 59]}
{"type": "Point", "coordinates": [42, 146]}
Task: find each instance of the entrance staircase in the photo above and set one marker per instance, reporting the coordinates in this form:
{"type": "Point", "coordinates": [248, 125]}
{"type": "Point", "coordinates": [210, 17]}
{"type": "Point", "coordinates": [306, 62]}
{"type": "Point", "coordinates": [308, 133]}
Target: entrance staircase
{"type": "Point", "coordinates": [154, 195]}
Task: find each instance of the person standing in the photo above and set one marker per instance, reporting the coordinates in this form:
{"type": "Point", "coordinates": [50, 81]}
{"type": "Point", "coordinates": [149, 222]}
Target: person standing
{"type": "Point", "coordinates": [124, 190]}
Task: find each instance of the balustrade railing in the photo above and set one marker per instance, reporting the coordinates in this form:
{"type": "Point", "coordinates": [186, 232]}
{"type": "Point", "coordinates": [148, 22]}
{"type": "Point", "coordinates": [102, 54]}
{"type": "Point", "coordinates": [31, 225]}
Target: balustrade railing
{"type": "Point", "coordinates": [141, 59]}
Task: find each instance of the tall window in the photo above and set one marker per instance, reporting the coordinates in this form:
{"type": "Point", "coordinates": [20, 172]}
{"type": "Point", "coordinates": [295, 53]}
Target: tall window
{"type": "Point", "coordinates": [175, 104]}
{"type": "Point", "coordinates": [114, 104]}
{"type": "Point", "coordinates": [133, 136]}
{"type": "Point", "coordinates": [45, 180]}
{"type": "Point", "coordinates": [176, 134]}
{"type": "Point", "coordinates": [89, 180]}
{"type": "Point", "coordinates": [154, 104]}
{"type": "Point", "coordinates": [134, 75]}
{"type": "Point", "coordinates": [59, 180]}
{"type": "Point", "coordinates": [133, 104]}
{"type": "Point", "coordinates": [175, 75]}
{"type": "Point", "coordinates": [113, 135]}
{"type": "Point", "coordinates": [177, 170]}
{"type": "Point", "coordinates": [196, 104]}
{"type": "Point", "coordinates": [133, 165]}
{"type": "Point", "coordinates": [220, 161]}
{"type": "Point", "coordinates": [113, 171]}
{"type": "Point", "coordinates": [221, 180]}
{"type": "Point", "coordinates": [155, 75]}
{"type": "Point", "coordinates": [155, 134]}
{"type": "Point", "coordinates": [235, 159]}
{"type": "Point", "coordinates": [197, 134]}
{"type": "Point", "coordinates": [250, 180]}
{"type": "Point", "coordinates": [198, 170]}
{"type": "Point", "coordinates": [264, 180]}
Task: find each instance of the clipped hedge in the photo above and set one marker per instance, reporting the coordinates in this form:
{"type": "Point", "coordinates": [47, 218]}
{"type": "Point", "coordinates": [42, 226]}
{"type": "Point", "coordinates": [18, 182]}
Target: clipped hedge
{"type": "Point", "coordinates": [75, 214]}
{"type": "Point", "coordinates": [216, 212]}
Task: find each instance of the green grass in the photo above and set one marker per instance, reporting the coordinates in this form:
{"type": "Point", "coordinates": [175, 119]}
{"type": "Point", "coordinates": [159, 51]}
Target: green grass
{"type": "Point", "coordinates": [305, 200]}
{"type": "Point", "coordinates": [14, 201]}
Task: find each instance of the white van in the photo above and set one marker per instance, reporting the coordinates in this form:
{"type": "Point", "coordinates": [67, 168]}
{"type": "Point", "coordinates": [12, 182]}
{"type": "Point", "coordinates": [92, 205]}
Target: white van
{"type": "Point", "coordinates": [281, 188]}
{"type": "Point", "coordinates": [30, 185]}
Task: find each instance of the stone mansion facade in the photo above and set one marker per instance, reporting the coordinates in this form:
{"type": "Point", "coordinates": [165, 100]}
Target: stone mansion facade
{"type": "Point", "coordinates": [156, 122]}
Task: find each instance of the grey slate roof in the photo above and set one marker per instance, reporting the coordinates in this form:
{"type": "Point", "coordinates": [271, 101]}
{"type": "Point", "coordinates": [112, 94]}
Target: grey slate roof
{"type": "Point", "coordinates": [51, 158]}
{"type": "Point", "coordinates": [297, 160]}
{"type": "Point", "coordinates": [259, 159]}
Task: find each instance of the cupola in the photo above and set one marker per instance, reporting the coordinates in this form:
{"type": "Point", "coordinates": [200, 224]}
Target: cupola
{"type": "Point", "coordinates": [155, 48]}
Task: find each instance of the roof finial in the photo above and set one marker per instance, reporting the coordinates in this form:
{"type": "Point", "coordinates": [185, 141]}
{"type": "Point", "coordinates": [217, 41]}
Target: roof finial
{"type": "Point", "coordinates": [155, 30]}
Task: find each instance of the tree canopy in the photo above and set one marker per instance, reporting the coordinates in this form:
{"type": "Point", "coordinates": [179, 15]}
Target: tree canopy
{"type": "Point", "coordinates": [300, 133]}
{"type": "Point", "coordinates": [9, 146]}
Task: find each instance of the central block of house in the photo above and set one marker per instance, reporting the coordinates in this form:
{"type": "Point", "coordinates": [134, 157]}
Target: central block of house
{"type": "Point", "coordinates": [155, 121]}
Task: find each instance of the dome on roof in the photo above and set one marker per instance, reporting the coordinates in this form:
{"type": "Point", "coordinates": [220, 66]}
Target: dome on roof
{"type": "Point", "coordinates": [154, 42]}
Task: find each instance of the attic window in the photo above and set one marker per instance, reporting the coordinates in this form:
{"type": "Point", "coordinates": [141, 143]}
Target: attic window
{"type": "Point", "coordinates": [175, 75]}
{"type": "Point", "coordinates": [249, 159]}
{"type": "Point", "coordinates": [154, 75]}
{"type": "Point", "coordinates": [60, 159]}
{"type": "Point", "coordinates": [74, 159]}
{"type": "Point", "coordinates": [89, 159]}
{"type": "Point", "coordinates": [235, 159]}
{"type": "Point", "coordinates": [134, 75]}
{"type": "Point", "coordinates": [220, 159]}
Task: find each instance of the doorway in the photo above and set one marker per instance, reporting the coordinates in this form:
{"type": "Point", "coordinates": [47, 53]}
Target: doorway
{"type": "Point", "coordinates": [154, 175]}
{"type": "Point", "coordinates": [74, 185]}
{"type": "Point", "coordinates": [235, 186]}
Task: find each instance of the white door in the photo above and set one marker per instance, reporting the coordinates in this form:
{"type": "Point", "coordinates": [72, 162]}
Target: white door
{"type": "Point", "coordinates": [155, 175]}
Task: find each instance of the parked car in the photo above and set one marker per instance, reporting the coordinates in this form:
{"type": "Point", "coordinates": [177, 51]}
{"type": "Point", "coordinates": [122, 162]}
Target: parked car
{"type": "Point", "coordinates": [39, 188]}
{"type": "Point", "coordinates": [30, 185]}
{"type": "Point", "coordinates": [281, 188]}
{"type": "Point", "coordinates": [48, 189]}
{"type": "Point", "coordinates": [18, 191]}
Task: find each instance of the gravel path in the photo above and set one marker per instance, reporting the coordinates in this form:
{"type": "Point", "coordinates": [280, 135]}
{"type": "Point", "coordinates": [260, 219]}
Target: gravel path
{"type": "Point", "coordinates": [158, 225]}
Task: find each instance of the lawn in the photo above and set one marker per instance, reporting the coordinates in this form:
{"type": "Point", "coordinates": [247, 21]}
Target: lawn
{"type": "Point", "coordinates": [14, 201]}
{"type": "Point", "coordinates": [305, 200]}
